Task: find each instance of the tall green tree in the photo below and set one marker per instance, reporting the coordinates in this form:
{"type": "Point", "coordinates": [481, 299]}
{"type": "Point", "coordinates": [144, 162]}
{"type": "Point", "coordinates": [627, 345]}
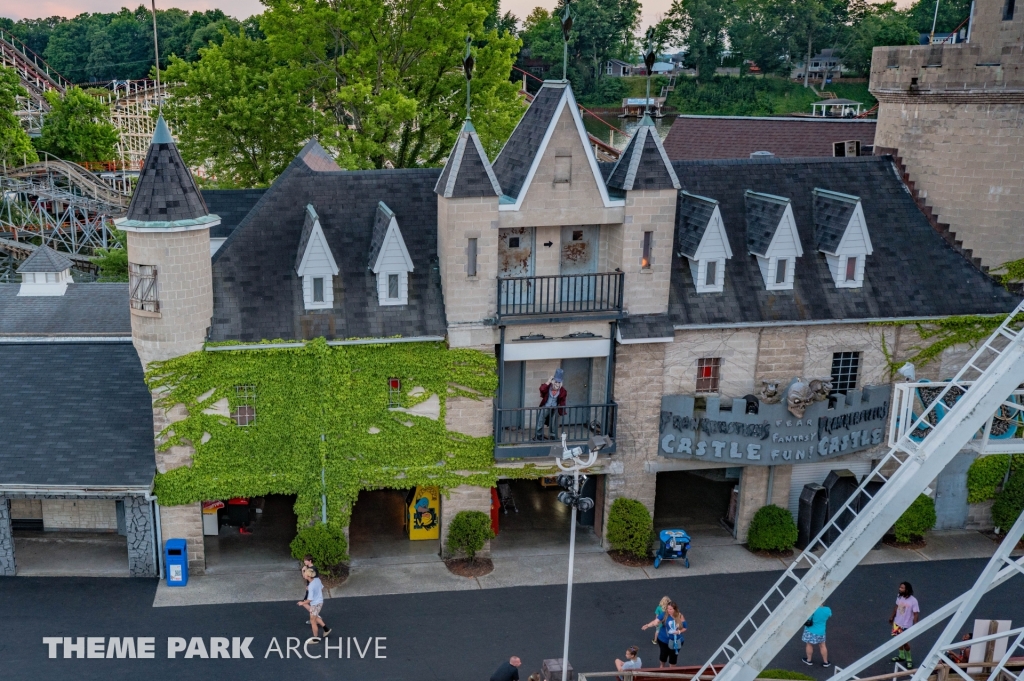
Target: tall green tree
{"type": "Point", "coordinates": [951, 14]}
{"type": "Point", "coordinates": [77, 128]}
{"type": "Point", "coordinates": [877, 25]}
{"type": "Point", "coordinates": [757, 31]}
{"type": "Point", "coordinates": [702, 26]}
{"type": "Point", "coordinates": [15, 146]}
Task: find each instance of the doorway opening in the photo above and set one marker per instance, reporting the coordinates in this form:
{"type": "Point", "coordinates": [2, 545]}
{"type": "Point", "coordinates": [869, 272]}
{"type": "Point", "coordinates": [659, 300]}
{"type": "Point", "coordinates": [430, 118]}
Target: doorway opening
{"type": "Point", "coordinates": [377, 532]}
{"type": "Point", "coordinates": [701, 502]}
{"type": "Point", "coordinates": [69, 537]}
{"type": "Point", "coordinates": [264, 546]}
{"type": "Point", "coordinates": [536, 523]}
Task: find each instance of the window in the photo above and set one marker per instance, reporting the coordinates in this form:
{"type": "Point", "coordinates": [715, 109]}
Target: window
{"type": "Point", "coordinates": [394, 393]}
{"type": "Point", "coordinates": [645, 260]}
{"type": "Point", "coordinates": [393, 286]}
{"type": "Point", "coordinates": [142, 287]}
{"type": "Point", "coordinates": [244, 413]}
{"type": "Point", "coordinates": [471, 258]}
{"type": "Point", "coordinates": [563, 166]}
{"type": "Point", "coordinates": [709, 278]}
{"type": "Point", "coordinates": [577, 235]}
{"type": "Point", "coordinates": [851, 269]}
{"type": "Point", "coordinates": [513, 242]}
{"type": "Point", "coordinates": [780, 271]}
{"type": "Point", "coordinates": [845, 367]}
{"type": "Point", "coordinates": [609, 68]}
{"type": "Point", "coordinates": [1008, 10]}
{"type": "Point", "coordinates": [318, 289]}
{"type": "Point", "coordinates": [708, 374]}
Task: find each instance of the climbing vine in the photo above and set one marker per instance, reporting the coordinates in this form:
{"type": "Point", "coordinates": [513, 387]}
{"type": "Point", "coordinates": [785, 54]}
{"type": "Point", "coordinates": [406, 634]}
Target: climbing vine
{"type": "Point", "coordinates": [943, 334]}
{"type": "Point", "coordinates": [323, 410]}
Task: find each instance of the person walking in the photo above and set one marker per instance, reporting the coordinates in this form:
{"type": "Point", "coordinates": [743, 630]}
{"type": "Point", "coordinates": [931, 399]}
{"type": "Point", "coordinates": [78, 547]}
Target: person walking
{"type": "Point", "coordinates": [508, 671]}
{"type": "Point", "coordinates": [313, 602]}
{"type": "Point", "coordinates": [632, 661]}
{"type": "Point", "coordinates": [658, 613]}
{"type": "Point", "coordinates": [307, 563]}
{"type": "Point", "coordinates": [814, 635]}
{"type": "Point", "coordinates": [670, 634]}
{"type": "Point", "coordinates": [904, 615]}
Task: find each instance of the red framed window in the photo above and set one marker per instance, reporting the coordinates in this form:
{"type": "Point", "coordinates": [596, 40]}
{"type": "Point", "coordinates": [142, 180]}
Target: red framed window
{"type": "Point", "coordinates": [709, 370]}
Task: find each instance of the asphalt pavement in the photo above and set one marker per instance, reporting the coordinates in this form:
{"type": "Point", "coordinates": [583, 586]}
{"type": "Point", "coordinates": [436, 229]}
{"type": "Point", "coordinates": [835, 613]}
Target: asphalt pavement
{"type": "Point", "coordinates": [452, 635]}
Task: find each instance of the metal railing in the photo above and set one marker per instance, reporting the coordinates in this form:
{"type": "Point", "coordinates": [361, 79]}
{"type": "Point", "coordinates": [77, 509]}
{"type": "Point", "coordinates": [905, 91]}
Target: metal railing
{"type": "Point", "coordinates": [560, 294]}
{"type": "Point", "coordinates": [519, 426]}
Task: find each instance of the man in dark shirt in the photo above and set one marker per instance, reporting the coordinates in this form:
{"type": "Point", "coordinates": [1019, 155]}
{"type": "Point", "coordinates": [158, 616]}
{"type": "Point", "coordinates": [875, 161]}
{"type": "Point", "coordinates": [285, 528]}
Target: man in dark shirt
{"type": "Point", "coordinates": [508, 671]}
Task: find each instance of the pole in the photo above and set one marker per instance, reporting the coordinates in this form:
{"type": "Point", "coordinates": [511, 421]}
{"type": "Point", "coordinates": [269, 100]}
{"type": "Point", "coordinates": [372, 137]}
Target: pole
{"type": "Point", "coordinates": [156, 54]}
{"type": "Point", "coordinates": [568, 593]}
{"type": "Point", "coordinates": [565, 60]}
{"type": "Point", "coordinates": [935, 19]}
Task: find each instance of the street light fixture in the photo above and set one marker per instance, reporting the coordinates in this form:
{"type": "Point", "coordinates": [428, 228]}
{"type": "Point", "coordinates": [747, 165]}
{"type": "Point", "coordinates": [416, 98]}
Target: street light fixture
{"type": "Point", "coordinates": [572, 461]}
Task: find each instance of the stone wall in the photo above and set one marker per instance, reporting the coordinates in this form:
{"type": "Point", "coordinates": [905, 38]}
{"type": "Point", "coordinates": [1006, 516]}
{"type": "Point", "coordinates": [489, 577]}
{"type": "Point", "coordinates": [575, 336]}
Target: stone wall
{"type": "Point", "coordinates": [185, 522]}
{"type": "Point", "coordinates": [80, 514]}
{"type": "Point", "coordinates": [646, 288]}
{"type": "Point", "coordinates": [7, 565]}
{"type": "Point", "coordinates": [470, 417]}
{"type": "Point", "coordinates": [979, 516]}
{"type": "Point", "coordinates": [468, 299]}
{"type": "Point", "coordinates": [464, 498]}
{"type": "Point", "coordinates": [138, 516]}
{"type": "Point", "coordinates": [754, 493]}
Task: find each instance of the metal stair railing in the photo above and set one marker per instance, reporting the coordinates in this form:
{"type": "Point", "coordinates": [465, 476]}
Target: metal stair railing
{"type": "Point", "coordinates": [905, 471]}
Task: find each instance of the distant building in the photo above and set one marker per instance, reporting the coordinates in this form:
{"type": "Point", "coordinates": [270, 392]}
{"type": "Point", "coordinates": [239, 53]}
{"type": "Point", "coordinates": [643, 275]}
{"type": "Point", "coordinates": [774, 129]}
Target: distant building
{"type": "Point", "coordinates": [825, 66]}
{"type": "Point", "coordinates": [722, 137]}
{"type": "Point", "coordinates": [618, 68]}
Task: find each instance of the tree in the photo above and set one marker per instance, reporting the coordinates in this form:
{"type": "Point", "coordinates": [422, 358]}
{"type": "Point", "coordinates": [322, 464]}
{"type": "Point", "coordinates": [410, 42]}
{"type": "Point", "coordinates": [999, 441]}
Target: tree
{"type": "Point", "coordinates": [757, 32]}
{"type": "Point", "coordinates": [702, 26]}
{"type": "Point", "coordinates": [15, 146]}
{"type": "Point", "coordinates": [77, 128]}
{"type": "Point", "coordinates": [951, 14]}
{"type": "Point", "coordinates": [240, 111]}
{"type": "Point", "coordinates": [880, 25]}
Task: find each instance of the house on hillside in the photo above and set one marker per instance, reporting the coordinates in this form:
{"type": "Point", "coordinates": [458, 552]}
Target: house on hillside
{"type": "Point", "coordinates": [618, 68]}
{"type": "Point", "coordinates": [826, 67]}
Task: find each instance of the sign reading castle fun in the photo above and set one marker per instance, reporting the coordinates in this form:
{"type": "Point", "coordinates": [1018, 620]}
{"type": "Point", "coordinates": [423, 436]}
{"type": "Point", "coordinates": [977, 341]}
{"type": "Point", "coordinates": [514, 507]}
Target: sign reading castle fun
{"type": "Point", "coordinates": [801, 423]}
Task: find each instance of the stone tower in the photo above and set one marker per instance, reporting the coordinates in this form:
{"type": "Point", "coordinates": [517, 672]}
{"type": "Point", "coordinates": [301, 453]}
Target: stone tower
{"type": "Point", "coordinates": [171, 295]}
{"type": "Point", "coordinates": [954, 115]}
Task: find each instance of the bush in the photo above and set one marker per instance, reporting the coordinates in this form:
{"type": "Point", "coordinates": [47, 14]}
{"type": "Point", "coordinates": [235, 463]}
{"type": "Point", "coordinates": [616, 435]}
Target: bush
{"type": "Point", "coordinates": [986, 474]}
{"type": "Point", "coordinates": [468, 532]}
{"type": "Point", "coordinates": [630, 527]}
{"type": "Point", "coordinates": [1010, 502]}
{"type": "Point", "coordinates": [326, 544]}
{"type": "Point", "coordinates": [784, 674]}
{"type": "Point", "coordinates": [916, 520]}
{"type": "Point", "coordinates": [772, 529]}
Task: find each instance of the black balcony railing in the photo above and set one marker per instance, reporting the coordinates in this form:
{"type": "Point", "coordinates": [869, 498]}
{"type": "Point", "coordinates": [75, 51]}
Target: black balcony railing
{"type": "Point", "coordinates": [560, 294]}
{"type": "Point", "coordinates": [520, 426]}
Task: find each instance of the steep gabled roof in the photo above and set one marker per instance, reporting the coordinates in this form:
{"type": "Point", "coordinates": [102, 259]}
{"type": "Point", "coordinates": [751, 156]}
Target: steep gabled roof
{"type": "Point", "coordinates": [467, 172]}
{"type": "Point", "coordinates": [385, 228]}
{"type": "Point", "coordinates": [316, 158]}
{"type": "Point", "coordinates": [514, 161]}
{"type": "Point", "coordinates": [764, 213]}
{"type": "Point", "coordinates": [44, 259]}
{"type": "Point", "coordinates": [231, 206]}
{"type": "Point", "coordinates": [313, 232]}
{"type": "Point", "coordinates": [832, 213]}
{"type": "Point", "coordinates": [693, 213]}
{"type": "Point", "coordinates": [644, 163]}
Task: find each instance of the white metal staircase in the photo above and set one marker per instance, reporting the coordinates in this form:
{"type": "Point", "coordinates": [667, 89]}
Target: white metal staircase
{"type": "Point", "coordinates": [989, 377]}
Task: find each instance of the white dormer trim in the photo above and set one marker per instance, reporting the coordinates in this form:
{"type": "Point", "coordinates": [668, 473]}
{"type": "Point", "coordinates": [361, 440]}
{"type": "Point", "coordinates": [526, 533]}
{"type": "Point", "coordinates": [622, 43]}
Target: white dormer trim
{"type": "Point", "coordinates": [855, 244]}
{"type": "Point", "coordinates": [393, 260]}
{"type": "Point", "coordinates": [45, 283]}
{"type": "Point", "coordinates": [317, 263]}
{"type": "Point", "coordinates": [783, 251]}
{"type": "Point", "coordinates": [713, 248]}
{"type": "Point", "coordinates": [567, 99]}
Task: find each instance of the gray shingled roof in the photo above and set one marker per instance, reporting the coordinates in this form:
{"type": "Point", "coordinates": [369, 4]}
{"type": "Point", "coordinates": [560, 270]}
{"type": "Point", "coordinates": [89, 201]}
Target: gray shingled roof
{"type": "Point", "coordinates": [513, 163]}
{"type": "Point", "coordinates": [83, 310]}
{"type": "Point", "coordinates": [79, 414]}
{"type": "Point", "coordinates": [764, 211]}
{"type": "Point", "coordinates": [913, 272]}
{"type": "Point", "coordinates": [317, 158]}
{"type": "Point", "coordinates": [646, 326]}
{"type": "Point", "coordinates": [467, 172]}
{"type": "Point", "coordinates": [166, 191]}
{"type": "Point", "coordinates": [257, 293]}
{"type": "Point", "coordinates": [381, 221]}
{"type": "Point", "coordinates": [832, 213]}
{"type": "Point", "coordinates": [308, 222]}
{"type": "Point", "coordinates": [644, 163]}
{"type": "Point", "coordinates": [693, 213]}
{"type": "Point", "coordinates": [45, 259]}
{"type": "Point", "coordinates": [231, 206]}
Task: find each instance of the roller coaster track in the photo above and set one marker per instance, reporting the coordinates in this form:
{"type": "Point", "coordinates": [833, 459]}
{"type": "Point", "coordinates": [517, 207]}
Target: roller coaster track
{"type": "Point", "coordinates": [37, 77]}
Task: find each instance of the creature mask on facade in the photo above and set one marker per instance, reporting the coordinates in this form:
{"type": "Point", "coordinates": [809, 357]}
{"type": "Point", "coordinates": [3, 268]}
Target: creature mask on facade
{"type": "Point", "coordinates": [799, 397]}
{"type": "Point", "coordinates": [821, 387]}
{"type": "Point", "coordinates": [770, 393]}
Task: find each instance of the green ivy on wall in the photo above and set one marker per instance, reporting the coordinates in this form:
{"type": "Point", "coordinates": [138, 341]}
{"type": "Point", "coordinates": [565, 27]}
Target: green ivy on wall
{"type": "Point", "coordinates": [987, 473]}
{"type": "Point", "coordinates": [323, 407]}
{"type": "Point", "coordinates": [943, 333]}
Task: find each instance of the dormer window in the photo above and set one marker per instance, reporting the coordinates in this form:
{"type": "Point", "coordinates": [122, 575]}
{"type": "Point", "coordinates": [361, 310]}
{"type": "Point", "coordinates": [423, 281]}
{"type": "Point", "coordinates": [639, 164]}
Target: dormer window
{"type": "Point", "coordinates": [45, 273]}
{"type": "Point", "coordinates": [389, 259]}
{"type": "Point", "coordinates": [841, 234]}
{"type": "Point", "coordinates": [702, 240]}
{"type": "Point", "coordinates": [773, 239]}
{"type": "Point", "coordinates": [315, 264]}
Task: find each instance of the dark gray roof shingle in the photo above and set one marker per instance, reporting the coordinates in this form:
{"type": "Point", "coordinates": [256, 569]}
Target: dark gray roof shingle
{"type": "Point", "coordinates": [513, 163]}
{"type": "Point", "coordinates": [166, 190]}
{"type": "Point", "coordinates": [316, 158]}
{"type": "Point", "coordinates": [84, 310]}
{"type": "Point", "coordinates": [763, 212]}
{"type": "Point", "coordinates": [99, 431]}
{"type": "Point", "coordinates": [467, 172]}
{"type": "Point", "coordinates": [643, 164]}
{"type": "Point", "coordinates": [832, 213]}
{"type": "Point", "coordinates": [693, 213]}
{"type": "Point", "coordinates": [381, 221]}
{"type": "Point", "coordinates": [694, 138]}
{"type": "Point", "coordinates": [308, 222]}
{"type": "Point", "coordinates": [231, 206]}
{"type": "Point", "coordinates": [646, 326]}
{"type": "Point", "coordinates": [45, 259]}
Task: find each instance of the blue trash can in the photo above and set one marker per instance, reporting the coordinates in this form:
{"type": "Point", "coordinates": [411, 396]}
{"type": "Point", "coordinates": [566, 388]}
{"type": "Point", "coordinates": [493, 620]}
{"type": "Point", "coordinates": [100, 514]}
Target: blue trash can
{"type": "Point", "coordinates": [176, 562]}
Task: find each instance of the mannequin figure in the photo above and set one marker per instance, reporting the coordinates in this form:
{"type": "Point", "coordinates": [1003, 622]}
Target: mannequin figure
{"type": "Point", "coordinates": [552, 403]}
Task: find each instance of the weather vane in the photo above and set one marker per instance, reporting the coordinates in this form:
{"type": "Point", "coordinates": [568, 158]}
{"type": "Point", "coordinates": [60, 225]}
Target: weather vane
{"type": "Point", "coordinates": [566, 27]}
{"type": "Point", "coordinates": [467, 67]}
{"type": "Point", "coordinates": [649, 56]}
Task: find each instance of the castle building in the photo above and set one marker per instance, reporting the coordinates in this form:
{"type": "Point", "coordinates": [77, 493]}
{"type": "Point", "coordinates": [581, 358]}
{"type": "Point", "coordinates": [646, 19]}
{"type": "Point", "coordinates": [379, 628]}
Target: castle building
{"type": "Point", "coordinates": [951, 114]}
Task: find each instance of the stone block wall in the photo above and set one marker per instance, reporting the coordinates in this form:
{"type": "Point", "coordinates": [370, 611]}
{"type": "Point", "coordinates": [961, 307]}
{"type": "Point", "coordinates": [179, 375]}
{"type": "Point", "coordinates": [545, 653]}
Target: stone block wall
{"type": "Point", "coordinates": [464, 498]}
{"type": "Point", "coordinates": [468, 299]}
{"type": "Point", "coordinates": [470, 417]}
{"type": "Point", "coordinates": [979, 516]}
{"type": "Point", "coordinates": [80, 514]}
{"type": "Point", "coordinates": [185, 522]}
{"type": "Point", "coordinates": [27, 508]}
{"type": "Point", "coordinates": [737, 348]}
{"type": "Point", "coordinates": [646, 288]}
{"type": "Point", "coordinates": [7, 564]}
{"type": "Point", "coordinates": [138, 516]}
{"type": "Point", "coordinates": [780, 354]}
{"type": "Point", "coordinates": [754, 493]}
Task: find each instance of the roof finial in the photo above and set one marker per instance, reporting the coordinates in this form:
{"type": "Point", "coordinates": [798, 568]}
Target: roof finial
{"type": "Point", "coordinates": [566, 20]}
{"type": "Point", "coordinates": [467, 67]}
{"type": "Point", "coordinates": [649, 57]}
{"type": "Point", "coordinates": [156, 54]}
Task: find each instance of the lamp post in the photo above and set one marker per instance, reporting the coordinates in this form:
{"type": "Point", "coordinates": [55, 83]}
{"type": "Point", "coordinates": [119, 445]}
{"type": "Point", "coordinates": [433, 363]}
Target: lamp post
{"type": "Point", "coordinates": [572, 461]}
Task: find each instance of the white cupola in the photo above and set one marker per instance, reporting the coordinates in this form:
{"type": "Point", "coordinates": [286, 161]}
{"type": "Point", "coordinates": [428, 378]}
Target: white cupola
{"type": "Point", "coordinates": [841, 233]}
{"type": "Point", "coordinates": [45, 273]}
{"type": "Point", "coordinates": [702, 240]}
{"type": "Point", "coordinates": [389, 258]}
{"type": "Point", "coordinates": [773, 239]}
{"type": "Point", "coordinates": [315, 264]}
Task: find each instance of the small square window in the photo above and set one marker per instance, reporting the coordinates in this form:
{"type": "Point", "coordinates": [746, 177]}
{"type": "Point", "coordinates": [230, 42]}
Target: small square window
{"type": "Point", "coordinates": [393, 286]}
{"type": "Point", "coordinates": [577, 235]}
{"type": "Point", "coordinates": [851, 269]}
{"type": "Point", "coordinates": [244, 412]}
{"type": "Point", "coordinates": [394, 393]}
{"type": "Point", "coordinates": [845, 367]}
{"type": "Point", "coordinates": [513, 242]}
{"type": "Point", "coordinates": [712, 271]}
{"type": "Point", "coordinates": [318, 290]}
{"type": "Point", "coordinates": [645, 260]}
{"type": "Point", "coordinates": [780, 271]}
{"type": "Point", "coordinates": [708, 374]}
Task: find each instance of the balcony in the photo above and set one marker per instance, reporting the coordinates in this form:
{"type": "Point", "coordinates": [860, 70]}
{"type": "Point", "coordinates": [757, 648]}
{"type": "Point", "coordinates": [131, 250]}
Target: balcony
{"type": "Point", "coordinates": [515, 430]}
{"type": "Point", "coordinates": [560, 295]}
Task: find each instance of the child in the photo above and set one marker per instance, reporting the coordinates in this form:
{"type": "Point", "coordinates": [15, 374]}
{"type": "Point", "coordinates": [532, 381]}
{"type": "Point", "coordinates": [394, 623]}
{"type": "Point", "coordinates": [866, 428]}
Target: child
{"type": "Point", "coordinates": [313, 602]}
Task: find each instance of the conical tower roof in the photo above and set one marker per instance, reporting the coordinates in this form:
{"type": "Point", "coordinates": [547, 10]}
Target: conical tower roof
{"type": "Point", "coordinates": [644, 163]}
{"type": "Point", "coordinates": [45, 259]}
{"type": "Point", "coordinates": [166, 196]}
{"type": "Point", "coordinates": [467, 172]}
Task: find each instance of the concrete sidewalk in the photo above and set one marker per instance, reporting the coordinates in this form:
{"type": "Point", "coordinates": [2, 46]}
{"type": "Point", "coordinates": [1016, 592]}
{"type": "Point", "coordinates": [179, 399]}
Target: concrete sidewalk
{"type": "Point", "coordinates": [533, 569]}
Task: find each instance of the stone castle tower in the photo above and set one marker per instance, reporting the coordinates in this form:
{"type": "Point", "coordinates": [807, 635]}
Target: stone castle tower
{"type": "Point", "coordinates": [954, 115]}
{"type": "Point", "coordinates": [171, 292]}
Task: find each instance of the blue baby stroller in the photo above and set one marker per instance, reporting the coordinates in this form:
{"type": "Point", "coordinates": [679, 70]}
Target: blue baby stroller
{"type": "Point", "coordinates": [674, 545]}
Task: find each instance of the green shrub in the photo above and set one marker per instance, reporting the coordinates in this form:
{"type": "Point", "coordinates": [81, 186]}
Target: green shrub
{"type": "Point", "coordinates": [784, 674]}
{"type": "Point", "coordinates": [326, 544]}
{"type": "Point", "coordinates": [1010, 502]}
{"type": "Point", "coordinates": [468, 532]}
{"type": "Point", "coordinates": [987, 473]}
{"type": "Point", "coordinates": [630, 527]}
{"type": "Point", "coordinates": [771, 529]}
{"type": "Point", "coordinates": [916, 520]}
